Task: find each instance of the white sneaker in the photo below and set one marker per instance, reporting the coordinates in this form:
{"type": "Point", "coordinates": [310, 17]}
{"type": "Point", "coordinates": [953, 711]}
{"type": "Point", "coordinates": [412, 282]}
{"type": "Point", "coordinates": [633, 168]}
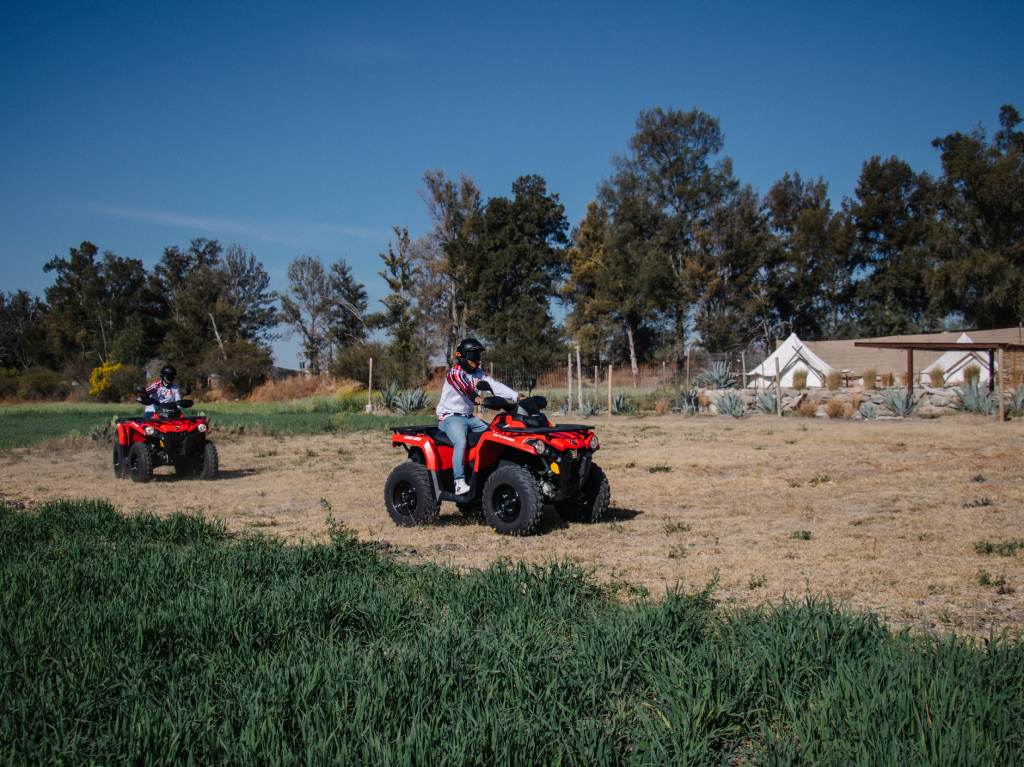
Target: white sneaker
{"type": "Point", "coordinates": [461, 488]}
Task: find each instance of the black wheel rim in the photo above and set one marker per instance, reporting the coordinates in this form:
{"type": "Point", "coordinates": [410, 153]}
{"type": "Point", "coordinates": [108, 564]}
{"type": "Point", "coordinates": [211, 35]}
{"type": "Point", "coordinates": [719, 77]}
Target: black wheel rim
{"type": "Point", "coordinates": [403, 498]}
{"type": "Point", "coordinates": [134, 464]}
{"type": "Point", "coordinates": [506, 503]}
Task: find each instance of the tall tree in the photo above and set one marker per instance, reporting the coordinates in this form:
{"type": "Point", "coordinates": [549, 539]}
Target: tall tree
{"type": "Point", "coordinates": [672, 160]}
{"type": "Point", "coordinates": [515, 271]}
{"type": "Point", "coordinates": [892, 218]}
{"type": "Point", "coordinates": [307, 308]}
{"type": "Point", "coordinates": [980, 236]}
{"type": "Point", "coordinates": [249, 308]}
{"type": "Point", "coordinates": [347, 323]}
{"type": "Point", "coordinates": [22, 331]}
{"type": "Point", "coordinates": [399, 318]}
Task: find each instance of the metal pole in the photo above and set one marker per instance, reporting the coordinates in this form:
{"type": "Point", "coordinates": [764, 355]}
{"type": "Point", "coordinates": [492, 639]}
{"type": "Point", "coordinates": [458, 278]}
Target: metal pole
{"type": "Point", "coordinates": [609, 390]}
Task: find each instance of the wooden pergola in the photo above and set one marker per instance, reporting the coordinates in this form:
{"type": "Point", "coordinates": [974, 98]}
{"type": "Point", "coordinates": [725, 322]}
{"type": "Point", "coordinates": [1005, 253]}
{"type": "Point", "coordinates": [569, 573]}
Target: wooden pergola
{"type": "Point", "coordinates": [996, 376]}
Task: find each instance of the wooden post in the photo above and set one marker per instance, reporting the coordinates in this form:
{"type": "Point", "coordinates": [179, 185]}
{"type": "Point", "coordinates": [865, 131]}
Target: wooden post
{"type": "Point", "coordinates": [595, 386]}
{"type": "Point", "coordinates": [743, 364]}
{"type": "Point", "coordinates": [579, 379]}
{"type": "Point", "coordinates": [609, 390]}
{"type": "Point", "coordinates": [569, 374]}
{"type": "Point", "coordinates": [1002, 380]}
{"type": "Point", "coordinates": [910, 373]}
{"type": "Point", "coordinates": [991, 370]}
{"type": "Point", "coordinates": [369, 389]}
{"type": "Point", "coordinates": [688, 350]}
{"type": "Point", "coordinates": [778, 388]}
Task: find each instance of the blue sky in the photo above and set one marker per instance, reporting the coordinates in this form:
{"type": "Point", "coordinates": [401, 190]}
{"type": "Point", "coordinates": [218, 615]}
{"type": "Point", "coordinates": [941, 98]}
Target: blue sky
{"type": "Point", "coordinates": [306, 127]}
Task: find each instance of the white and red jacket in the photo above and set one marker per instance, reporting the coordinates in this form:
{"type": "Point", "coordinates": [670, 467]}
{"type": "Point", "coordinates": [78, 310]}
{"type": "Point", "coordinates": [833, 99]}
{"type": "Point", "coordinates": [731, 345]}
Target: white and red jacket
{"type": "Point", "coordinates": [459, 391]}
{"type": "Point", "coordinates": [162, 394]}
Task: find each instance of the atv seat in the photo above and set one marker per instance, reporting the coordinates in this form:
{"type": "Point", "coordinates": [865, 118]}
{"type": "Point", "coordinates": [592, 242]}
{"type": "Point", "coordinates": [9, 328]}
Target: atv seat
{"type": "Point", "coordinates": [437, 435]}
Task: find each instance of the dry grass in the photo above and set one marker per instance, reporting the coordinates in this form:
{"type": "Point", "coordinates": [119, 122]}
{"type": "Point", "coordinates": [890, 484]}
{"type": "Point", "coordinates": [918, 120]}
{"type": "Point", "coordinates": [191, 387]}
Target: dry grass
{"type": "Point", "coordinates": [834, 380]}
{"type": "Point", "coordinates": [972, 373]}
{"type": "Point", "coordinates": [870, 378]}
{"type": "Point", "coordinates": [895, 527]}
{"type": "Point", "coordinates": [807, 409]}
{"type": "Point", "coordinates": [837, 409]}
{"type": "Point", "coordinates": [800, 379]}
{"type": "Point", "coordinates": [856, 397]}
{"type": "Point", "coordinates": [888, 379]}
{"type": "Point", "coordinates": [937, 377]}
{"type": "Point", "coordinates": [300, 387]}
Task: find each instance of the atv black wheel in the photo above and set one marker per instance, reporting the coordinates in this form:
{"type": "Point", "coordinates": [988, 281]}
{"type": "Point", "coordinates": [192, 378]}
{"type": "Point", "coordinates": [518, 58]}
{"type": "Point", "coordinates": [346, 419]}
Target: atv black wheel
{"type": "Point", "coordinates": [120, 461]}
{"type": "Point", "coordinates": [593, 506]}
{"type": "Point", "coordinates": [512, 500]}
{"type": "Point", "coordinates": [140, 463]}
{"type": "Point", "coordinates": [409, 495]}
{"type": "Point", "coordinates": [209, 465]}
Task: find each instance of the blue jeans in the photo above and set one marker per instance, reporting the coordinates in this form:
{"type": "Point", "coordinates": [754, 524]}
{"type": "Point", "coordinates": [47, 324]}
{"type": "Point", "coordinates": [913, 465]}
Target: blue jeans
{"type": "Point", "coordinates": [457, 427]}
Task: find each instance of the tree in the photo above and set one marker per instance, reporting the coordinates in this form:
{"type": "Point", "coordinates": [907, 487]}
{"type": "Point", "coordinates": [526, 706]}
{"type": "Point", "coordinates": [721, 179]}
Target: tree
{"type": "Point", "coordinates": [399, 318]}
{"type": "Point", "coordinates": [515, 271]}
{"type": "Point", "coordinates": [307, 308]}
{"type": "Point", "coordinates": [979, 237]}
{"type": "Point", "coordinates": [443, 255]}
{"type": "Point", "coordinates": [671, 161]}
{"type": "Point", "coordinates": [891, 218]}
{"type": "Point", "coordinates": [91, 300]}
{"type": "Point", "coordinates": [347, 322]}
{"type": "Point", "coordinates": [808, 269]}
{"type": "Point", "coordinates": [250, 309]}
{"type": "Point", "coordinates": [724, 272]}
{"type": "Point", "coordinates": [22, 331]}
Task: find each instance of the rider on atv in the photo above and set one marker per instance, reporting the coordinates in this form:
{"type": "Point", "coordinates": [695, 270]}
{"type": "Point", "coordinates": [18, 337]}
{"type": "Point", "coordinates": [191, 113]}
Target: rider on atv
{"type": "Point", "coordinates": [163, 390]}
{"type": "Point", "coordinates": [455, 407]}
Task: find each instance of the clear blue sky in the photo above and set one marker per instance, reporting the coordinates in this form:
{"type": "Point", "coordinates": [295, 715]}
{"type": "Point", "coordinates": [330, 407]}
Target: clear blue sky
{"type": "Point", "coordinates": [306, 128]}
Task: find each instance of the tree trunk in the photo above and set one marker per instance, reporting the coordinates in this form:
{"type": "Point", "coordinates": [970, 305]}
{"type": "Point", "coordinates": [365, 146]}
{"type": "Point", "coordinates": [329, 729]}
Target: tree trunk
{"type": "Point", "coordinates": [634, 366]}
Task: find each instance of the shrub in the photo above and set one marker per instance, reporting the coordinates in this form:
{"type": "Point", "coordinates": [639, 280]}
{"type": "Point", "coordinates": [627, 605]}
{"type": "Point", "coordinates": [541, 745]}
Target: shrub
{"type": "Point", "coordinates": [241, 365]}
{"type": "Point", "coordinates": [623, 403]}
{"type": "Point", "coordinates": [688, 401]}
{"type": "Point", "coordinates": [836, 409]}
{"type": "Point", "coordinates": [937, 377]}
{"type": "Point", "coordinates": [660, 407]}
{"type": "Point", "coordinates": [834, 380]}
{"type": "Point", "coordinates": [766, 401]}
{"type": "Point", "coordinates": [717, 376]}
{"type": "Point", "coordinates": [867, 410]}
{"type": "Point", "coordinates": [855, 400]}
{"type": "Point", "coordinates": [8, 382]}
{"type": "Point", "coordinates": [888, 380]}
{"type": "Point", "coordinates": [114, 382]}
{"type": "Point", "coordinates": [1017, 401]}
{"type": "Point", "coordinates": [973, 398]}
{"type": "Point", "coordinates": [801, 535]}
{"type": "Point", "coordinates": [388, 396]}
{"type": "Point", "coordinates": [353, 362]}
{"type": "Point", "coordinates": [41, 383]}
{"type": "Point", "coordinates": [807, 409]}
{"type": "Point", "coordinates": [411, 401]}
{"type": "Point", "coordinates": [99, 378]}
{"type": "Point", "coordinates": [292, 387]}
{"type": "Point", "coordinates": [800, 379]}
{"type": "Point", "coordinates": [870, 378]}
{"type": "Point", "coordinates": [972, 373]}
{"type": "Point", "coordinates": [587, 408]}
{"type": "Point", "coordinates": [900, 402]}
{"type": "Point", "coordinates": [730, 403]}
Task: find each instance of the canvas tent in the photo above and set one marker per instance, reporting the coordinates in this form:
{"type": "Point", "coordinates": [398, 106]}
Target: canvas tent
{"type": "Point", "coordinates": [792, 355]}
{"type": "Point", "coordinates": [953, 363]}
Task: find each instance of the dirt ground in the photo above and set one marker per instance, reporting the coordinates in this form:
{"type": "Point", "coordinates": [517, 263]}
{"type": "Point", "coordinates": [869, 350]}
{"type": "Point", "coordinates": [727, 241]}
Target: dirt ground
{"type": "Point", "coordinates": [894, 509]}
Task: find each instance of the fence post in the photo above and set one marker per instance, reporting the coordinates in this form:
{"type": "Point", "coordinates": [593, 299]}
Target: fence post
{"type": "Point", "coordinates": [569, 372]}
{"type": "Point", "coordinates": [743, 364]}
{"type": "Point", "coordinates": [778, 389]}
{"type": "Point", "coordinates": [1000, 371]}
{"type": "Point", "coordinates": [609, 390]}
{"type": "Point", "coordinates": [689, 349]}
{"type": "Point", "coordinates": [579, 379]}
{"type": "Point", "coordinates": [369, 389]}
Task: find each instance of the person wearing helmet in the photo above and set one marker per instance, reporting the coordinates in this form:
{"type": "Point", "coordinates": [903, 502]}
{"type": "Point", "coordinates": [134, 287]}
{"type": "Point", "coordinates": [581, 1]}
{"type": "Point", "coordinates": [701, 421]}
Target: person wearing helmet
{"type": "Point", "coordinates": [163, 389]}
{"type": "Point", "coordinates": [458, 396]}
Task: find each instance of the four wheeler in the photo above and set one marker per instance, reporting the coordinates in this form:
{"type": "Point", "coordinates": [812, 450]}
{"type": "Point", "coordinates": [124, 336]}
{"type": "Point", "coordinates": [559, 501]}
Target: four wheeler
{"type": "Point", "coordinates": [521, 462]}
{"type": "Point", "coordinates": [165, 437]}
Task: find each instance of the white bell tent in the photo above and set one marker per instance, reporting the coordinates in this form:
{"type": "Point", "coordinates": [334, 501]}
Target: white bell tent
{"type": "Point", "coordinates": [953, 363]}
{"type": "Point", "coordinates": [792, 355]}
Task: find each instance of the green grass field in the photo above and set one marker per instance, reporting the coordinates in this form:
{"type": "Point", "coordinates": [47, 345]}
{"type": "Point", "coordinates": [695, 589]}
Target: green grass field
{"type": "Point", "coordinates": [138, 640]}
{"type": "Point", "coordinates": [23, 425]}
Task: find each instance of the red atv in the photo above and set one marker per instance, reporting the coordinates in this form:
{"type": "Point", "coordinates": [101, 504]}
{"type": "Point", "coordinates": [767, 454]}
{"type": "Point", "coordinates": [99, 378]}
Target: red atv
{"type": "Point", "coordinates": [520, 463]}
{"type": "Point", "coordinates": [165, 437]}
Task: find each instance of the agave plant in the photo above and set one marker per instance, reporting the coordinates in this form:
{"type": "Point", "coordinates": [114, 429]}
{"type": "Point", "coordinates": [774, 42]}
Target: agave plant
{"type": "Point", "coordinates": [412, 400]}
{"type": "Point", "coordinates": [972, 398]}
{"type": "Point", "coordinates": [730, 404]}
{"type": "Point", "coordinates": [867, 410]}
{"type": "Point", "coordinates": [717, 376]}
{"type": "Point", "coordinates": [587, 408]}
{"type": "Point", "coordinates": [623, 404]}
{"type": "Point", "coordinates": [900, 402]}
{"type": "Point", "coordinates": [388, 396]}
{"type": "Point", "coordinates": [766, 401]}
{"type": "Point", "coordinates": [688, 401]}
{"type": "Point", "coordinates": [1017, 400]}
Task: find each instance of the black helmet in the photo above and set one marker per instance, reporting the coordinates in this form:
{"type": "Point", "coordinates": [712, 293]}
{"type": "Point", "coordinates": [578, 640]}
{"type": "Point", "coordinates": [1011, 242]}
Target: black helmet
{"type": "Point", "coordinates": [469, 349]}
{"type": "Point", "coordinates": [167, 373]}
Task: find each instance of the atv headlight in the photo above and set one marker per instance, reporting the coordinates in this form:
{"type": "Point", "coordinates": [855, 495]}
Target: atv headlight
{"type": "Point", "coordinates": [595, 443]}
{"type": "Point", "coordinates": [201, 427]}
{"type": "Point", "coordinates": [150, 431]}
{"type": "Point", "coordinates": [538, 446]}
